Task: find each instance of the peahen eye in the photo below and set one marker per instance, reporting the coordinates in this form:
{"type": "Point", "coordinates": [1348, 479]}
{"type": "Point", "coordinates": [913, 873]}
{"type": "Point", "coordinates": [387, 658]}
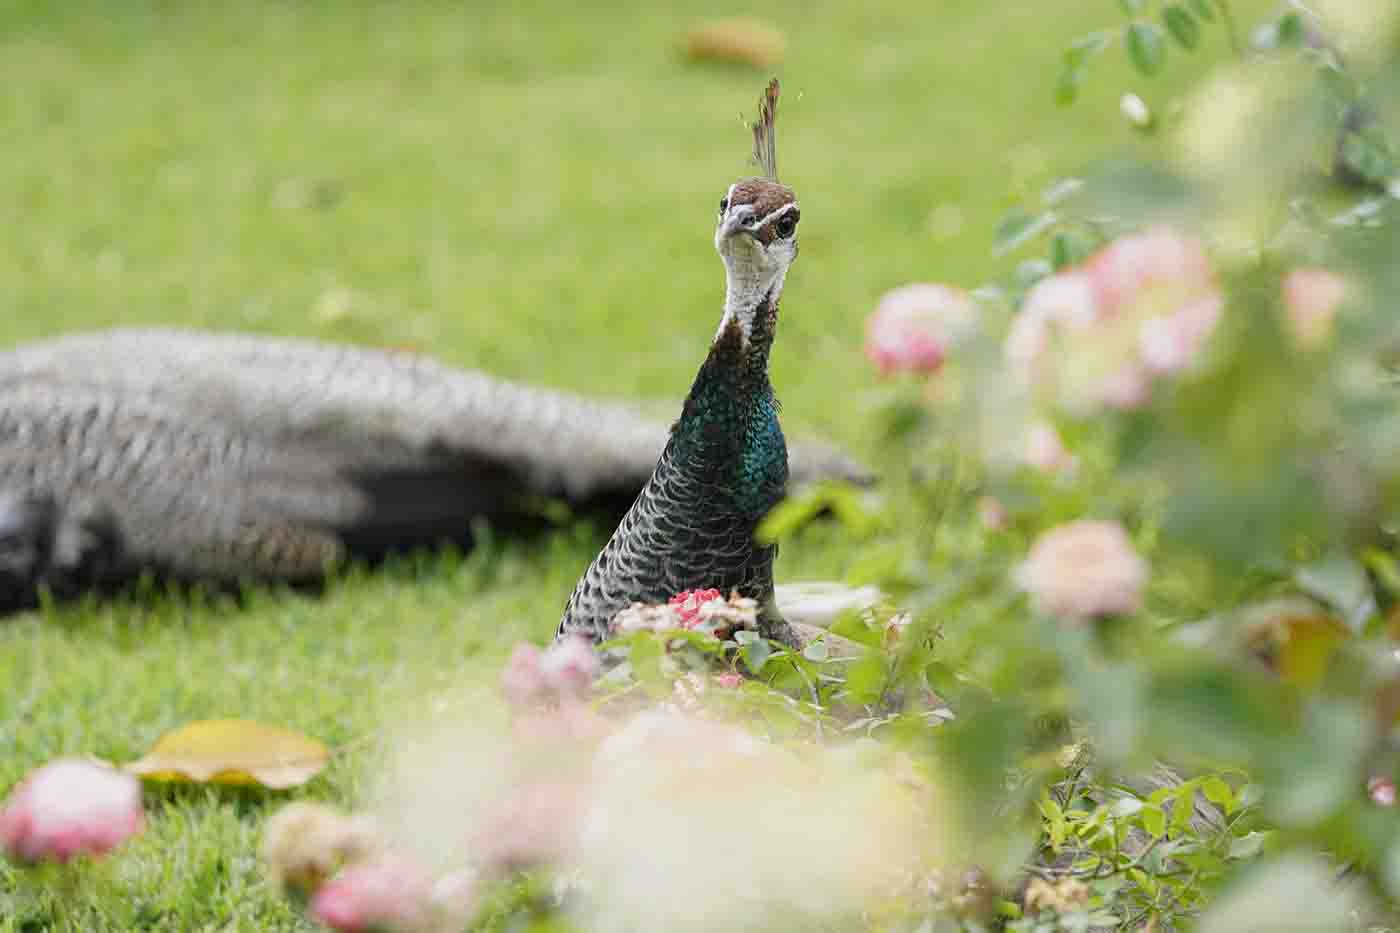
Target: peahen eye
{"type": "Point", "coordinates": [786, 226]}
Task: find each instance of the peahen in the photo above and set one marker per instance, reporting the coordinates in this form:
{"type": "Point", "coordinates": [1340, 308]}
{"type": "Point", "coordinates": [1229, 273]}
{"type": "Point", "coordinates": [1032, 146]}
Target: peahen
{"type": "Point", "coordinates": [725, 464]}
{"type": "Point", "coordinates": [221, 458]}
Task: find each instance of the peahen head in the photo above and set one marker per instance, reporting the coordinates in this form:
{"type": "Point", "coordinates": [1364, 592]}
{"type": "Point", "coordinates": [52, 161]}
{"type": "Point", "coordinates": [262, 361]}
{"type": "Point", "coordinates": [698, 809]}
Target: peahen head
{"type": "Point", "coordinates": [757, 232]}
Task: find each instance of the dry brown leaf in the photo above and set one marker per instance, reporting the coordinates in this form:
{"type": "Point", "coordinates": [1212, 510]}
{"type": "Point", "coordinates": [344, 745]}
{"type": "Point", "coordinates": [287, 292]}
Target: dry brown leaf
{"type": "Point", "coordinates": [740, 41]}
{"type": "Point", "coordinates": [233, 751]}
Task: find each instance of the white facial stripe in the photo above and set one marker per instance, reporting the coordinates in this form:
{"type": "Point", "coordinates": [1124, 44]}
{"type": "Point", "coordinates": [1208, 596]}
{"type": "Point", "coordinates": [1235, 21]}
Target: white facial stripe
{"type": "Point", "coordinates": [778, 213]}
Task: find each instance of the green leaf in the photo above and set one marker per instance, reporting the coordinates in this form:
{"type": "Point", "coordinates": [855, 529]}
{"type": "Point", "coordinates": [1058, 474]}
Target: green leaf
{"type": "Point", "coordinates": [1183, 808]}
{"type": "Point", "coordinates": [1085, 48]}
{"type": "Point", "coordinates": [1055, 821]}
{"type": "Point", "coordinates": [1248, 845]}
{"type": "Point", "coordinates": [1154, 821]}
{"type": "Point", "coordinates": [816, 650]}
{"type": "Point", "coordinates": [865, 678]}
{"type": "Point", "coordinates": [1132, 7]}
{"type": "Point", "coordinates": [1219, 793]}
{"type": "Point", "coordinates": [1288, 31]}
{"type": "Point", "coordinates": [1182, 25]}
{"type": "Point", "coordinates": [1125, 807]}
{"type": "Point", "coordinates": [1067, 88]}
{"type": "Point", "coordinates": [1019, 227]}
{"type": "Point", "coordinates": [1340, 581]}
{"type": "Point", "coordinates": [1146, 47]}
{"type": "Point", "coordinates": [756, 654]}
{"type": "Point", "coordinates": [1205, 9]}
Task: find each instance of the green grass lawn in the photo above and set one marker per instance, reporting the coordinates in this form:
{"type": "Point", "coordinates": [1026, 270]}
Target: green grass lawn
{"type": "Point", "coordinates": [528, 188]}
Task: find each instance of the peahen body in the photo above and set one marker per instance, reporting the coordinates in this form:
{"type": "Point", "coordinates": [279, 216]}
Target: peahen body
{"type": "Point", "coordinates": [221, 457]}
{"type": "Point", "coordinates": [725, 464]}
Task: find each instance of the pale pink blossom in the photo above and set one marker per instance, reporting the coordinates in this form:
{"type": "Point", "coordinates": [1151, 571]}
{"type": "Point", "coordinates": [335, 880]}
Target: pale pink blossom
{"type": "Point", "coordinates": [730, 680]}
{"type": "Point", "coordinates": [1381, 790]}
{"type": "Point", "coordinates": [1060, 302]}
{"type": "Point", "coordinates": [1097, 335]}
{"type": "Point", "coordinates": [384, 893]}
{"type": "Point", "coordinates": [1311, 298]}
{"type": "Point", "coordinates": [1084, 569]}
{"type": "Point", "coordinates": [523, 680]}
{"type": "Point", "coordinates": [68, 808]}
{"type": "Point", "coordinates": [914, 327]}
{"type": "Point", "coordinates": [569, 666]}
{"type": "Point", "coordinates": [1045, 450]}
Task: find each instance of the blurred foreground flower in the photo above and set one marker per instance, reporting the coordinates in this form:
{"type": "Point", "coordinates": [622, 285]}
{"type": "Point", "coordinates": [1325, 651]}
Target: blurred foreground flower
{"type": "Point", "coordinates": [68, 808]}
{"type": "Point", "coordinates": [1097, 335]}
{"type": "Point", "coordinates": [1084, 569]}
{"type": "Point", "coordinates": [380, 894]}
{"type": "Point", "coordinates": [1311, 299]}
{"type": "Point", "coordinates": [565, 670]}
{"type": "Point", "coordinates": [1381, 790]}
{"type": "Point", "coordinates": [914, 327]}
{"type": "Point", "coordinates": [645, 821]}
{"type": "Point", "coordinates": [822, 831]}
{"type": "Point", "coordinates": [304, 843]}
{"type": "Point", "coordinates": [1045, 451]}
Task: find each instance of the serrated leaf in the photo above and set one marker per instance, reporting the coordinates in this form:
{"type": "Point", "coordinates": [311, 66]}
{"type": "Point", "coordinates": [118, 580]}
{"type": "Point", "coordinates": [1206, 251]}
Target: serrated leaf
{"type": "Point", "coordinates": [1154, 821]}
{"type": "Point", "coordinates": [234, 752]}
{"type": "Point", "coordinates": [1204, 9]}
{"type": "Point", "coordinates": [1146, 48]}
{"type": "Point", "coordinates": [1182, 26]}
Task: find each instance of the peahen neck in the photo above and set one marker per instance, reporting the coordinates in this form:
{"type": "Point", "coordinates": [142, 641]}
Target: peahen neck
{"type": "Point", "coordinates": [730, 420]}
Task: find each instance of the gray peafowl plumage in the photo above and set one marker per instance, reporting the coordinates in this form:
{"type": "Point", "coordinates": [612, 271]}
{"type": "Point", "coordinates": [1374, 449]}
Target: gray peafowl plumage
{"type": "Point", "coordinates": [220, 458]}
{"type": "Point", "coordinates": [725, 464]}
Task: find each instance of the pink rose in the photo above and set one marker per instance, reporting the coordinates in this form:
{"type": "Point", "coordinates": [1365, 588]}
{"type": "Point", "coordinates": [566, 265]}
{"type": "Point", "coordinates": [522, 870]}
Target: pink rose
{"type": "Point", "coordinates": [380, 894]}
{"type": "Point", "coordinates": [1084, 569]}
{"type": "Point", "coordinates": [1096, 336]}
{"type": "Point", "coordinates": [70, 807]}
{"type": "Point", "coordinates": [1311, 299]}
{"type": "Point", "coordinates": [687, 604]}
{"type": "Point", "coordinates": [913, 327]}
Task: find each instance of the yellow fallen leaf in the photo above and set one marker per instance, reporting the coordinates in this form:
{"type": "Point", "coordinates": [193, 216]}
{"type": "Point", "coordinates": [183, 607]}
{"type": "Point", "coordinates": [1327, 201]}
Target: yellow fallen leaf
{"type": "Point", "coordinates": [741, 41]}
{"type": "Point", "coordinates": [233, 751]}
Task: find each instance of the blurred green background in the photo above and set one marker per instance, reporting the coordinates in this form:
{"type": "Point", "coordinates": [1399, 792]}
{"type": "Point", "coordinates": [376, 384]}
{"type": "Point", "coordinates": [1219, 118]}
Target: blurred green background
{"type": "Point", "coordinates": [528, 188]}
